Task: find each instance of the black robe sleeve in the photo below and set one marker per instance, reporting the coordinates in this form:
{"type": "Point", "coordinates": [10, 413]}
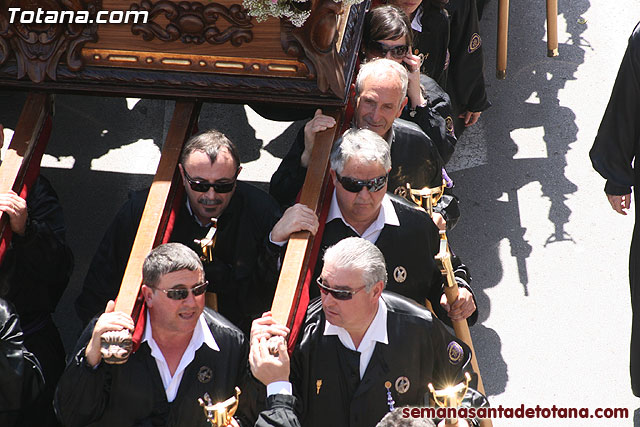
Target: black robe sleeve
{"type": "Point", "coordinates": [279, 412]}
{"type": "Point", "coordinates": [617, 140]}
{"type": "Point", "coordinates": [288, 179]}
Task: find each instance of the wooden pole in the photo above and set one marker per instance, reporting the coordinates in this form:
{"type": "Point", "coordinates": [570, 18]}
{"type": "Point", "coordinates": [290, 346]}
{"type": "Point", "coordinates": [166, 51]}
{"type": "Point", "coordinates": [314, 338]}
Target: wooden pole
{"type": "Point", "coordinates": [152, 223]}
{"type": "Point", "coordinates": [552, 28]}
{"type": "Point", "coordinates": [296, 258]}
{"type": "Point", "coordinates": [503, 35]}
{"type": "Point", "coordinates": [461, 327]}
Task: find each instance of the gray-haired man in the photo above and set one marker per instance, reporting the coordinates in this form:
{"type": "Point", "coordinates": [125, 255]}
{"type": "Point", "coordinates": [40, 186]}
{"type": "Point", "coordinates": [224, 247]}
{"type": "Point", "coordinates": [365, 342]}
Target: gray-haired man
{"type": "Point", "coordinates": [408, 238]}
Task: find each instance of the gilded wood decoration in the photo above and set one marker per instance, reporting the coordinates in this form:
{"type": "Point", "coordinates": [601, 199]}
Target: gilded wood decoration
{"type": "Point", "coordinates": [38, 47]}
{"type": "Point", "coordinates": [192, 22]}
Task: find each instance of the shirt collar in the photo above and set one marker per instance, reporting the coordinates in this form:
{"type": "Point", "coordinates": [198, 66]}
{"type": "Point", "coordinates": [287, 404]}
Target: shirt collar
{"type": "Point", "coordinates": [201, 334]}
{"type": "Point", "coordinates": [386, 216]}
{"type": "Point", "coordinates": [377, 331]}
{"type": "Point", "coordinates": [416, 23]}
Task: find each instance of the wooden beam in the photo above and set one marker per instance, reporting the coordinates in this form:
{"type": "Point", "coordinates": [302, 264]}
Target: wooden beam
{"type": "Point", "coordinates": [159, 200]}
{"type": "Point", "coordinates": [30, 124]}
{"type": "Point", "coordinates": [296, 259]}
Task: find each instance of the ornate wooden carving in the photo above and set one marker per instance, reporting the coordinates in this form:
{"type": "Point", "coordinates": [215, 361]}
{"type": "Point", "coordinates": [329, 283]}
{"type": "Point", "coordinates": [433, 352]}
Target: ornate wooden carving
{"type": "Point", "coordinates": [315, 45]}
{"type": "Point", "coordinates": [192, 22]}
{"type": "Point", "coordinates": [38, 47]}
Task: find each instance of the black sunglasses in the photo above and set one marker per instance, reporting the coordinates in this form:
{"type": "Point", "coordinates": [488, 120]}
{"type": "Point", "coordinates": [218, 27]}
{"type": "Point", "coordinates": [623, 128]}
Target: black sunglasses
{"type": "Point", "coordinates": [380, 50]}
{"type": "Point", "coordinates": [340, 294]}
{"type": "Point", "coordinates": [203, 187]}
{"type": "Point", "coordinates": [353, 185]}
{"type": "Point", "coordinates": [183, 293]}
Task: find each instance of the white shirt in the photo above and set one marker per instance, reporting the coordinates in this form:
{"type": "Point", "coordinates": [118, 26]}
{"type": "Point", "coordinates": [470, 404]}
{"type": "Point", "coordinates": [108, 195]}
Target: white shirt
{"type": "Point", "coordinates": [377, 332]}
{"type": "Point", "coordinates": [196, 217]}
{"type": "Point", "coordinates": [201, 335]}
{"type": "Point", "coordinates": [386, 216]}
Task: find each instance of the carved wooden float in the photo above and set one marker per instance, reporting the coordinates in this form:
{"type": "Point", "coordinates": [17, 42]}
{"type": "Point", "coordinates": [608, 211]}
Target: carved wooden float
{"type": "Point", "coordinates": [189, 51]}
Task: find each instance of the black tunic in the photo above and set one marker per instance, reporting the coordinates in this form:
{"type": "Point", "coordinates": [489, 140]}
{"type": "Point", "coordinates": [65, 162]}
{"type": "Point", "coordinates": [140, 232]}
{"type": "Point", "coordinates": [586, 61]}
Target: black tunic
{"type": "Point", "coordinates": [21, 379]}
{"type": "Point", "coordinates": [132, 394]}
{"type": "Point", "coordinates": [244, 270]}
{"type": "Point", "coordinates": [414, 159]}
{"type": "Point", "coordinates": [412, 246]}
{"type": "Point", "coordinates": [33, 276]}
{"type": "Point", "coordinates": [612, 155]}
{"type": "Point", "coordinates": [420, 349]}
{"type": "Point", "coordinates": [451, 43]}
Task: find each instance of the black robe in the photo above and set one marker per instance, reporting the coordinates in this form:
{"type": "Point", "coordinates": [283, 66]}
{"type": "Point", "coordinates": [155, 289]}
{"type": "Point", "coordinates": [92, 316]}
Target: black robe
{"type": "Point", "coordinates": [451, 43]}
{"type": "Point", "coordinates": [132, 394]}
{"type": "Point", "coordinates": [34, 274]}
{"type": "Point", "coordinates": [325, 374]}
{"type": "Point", "coordinates": [612, 155]}
{"type": "Point", "coordinates": [244, 271]}
{"type": "Point", "coordinates": [411, 246]}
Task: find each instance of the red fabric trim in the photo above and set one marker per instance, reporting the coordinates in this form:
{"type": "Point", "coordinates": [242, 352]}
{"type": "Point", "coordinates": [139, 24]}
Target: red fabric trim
{"type": "Point", "coordinates": [303, 303]}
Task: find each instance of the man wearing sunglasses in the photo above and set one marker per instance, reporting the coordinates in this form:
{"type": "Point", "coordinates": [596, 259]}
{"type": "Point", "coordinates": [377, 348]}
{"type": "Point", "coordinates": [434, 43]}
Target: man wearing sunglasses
{"type": "Point", "coordinates": [408, 238]}
{"type": "Point", "coordinates": [187, 350]}
{"type": "Point", "coordinates": [381, 88]}
{"type": "Point", "coordinates": [363, 350]}
{"type": "Point", "coordinates": [243, 271]}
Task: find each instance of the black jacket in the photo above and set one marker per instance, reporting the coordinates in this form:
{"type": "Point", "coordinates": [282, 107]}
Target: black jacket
{"type": "Point", "coordinates": [244, 270]}
{"type": "Point", "coordinates": [420, 349]}
{"type": "Point", "coordinates": [414, 159]}
{"type": "Point", "coordinates": [132, 394]}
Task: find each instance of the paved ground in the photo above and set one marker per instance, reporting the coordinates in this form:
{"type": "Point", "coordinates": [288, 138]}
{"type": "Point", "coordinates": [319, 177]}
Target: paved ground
{"type": "Point", "coordinates": [548, 255]}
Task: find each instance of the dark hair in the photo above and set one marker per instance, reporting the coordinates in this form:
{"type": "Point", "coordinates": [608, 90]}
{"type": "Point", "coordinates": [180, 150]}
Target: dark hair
{"type": "Point", "coordinates": [209, 142]}
{"type": "Point", "coordinates": [386, 23]}
{"type": "Point", "coordinates": [167, 258]}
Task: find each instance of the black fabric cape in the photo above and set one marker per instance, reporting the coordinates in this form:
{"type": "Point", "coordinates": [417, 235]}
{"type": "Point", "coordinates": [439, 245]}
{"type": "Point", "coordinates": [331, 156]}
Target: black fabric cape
{"type": "Point", "coordinates": [612, 155]}
{"type": "Point", "coordinates": [243, 273]}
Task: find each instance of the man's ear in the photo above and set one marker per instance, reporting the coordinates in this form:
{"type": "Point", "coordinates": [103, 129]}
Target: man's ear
{"type": "Point", "coordinates": [402, 105]}
{"type": "Point", "coordinates": [147, 294]}
{"type": "Point", "coordinates": [334, 177]}
{"type": "Point", "coordinates": [377, 289]}
{"type": "Point", "coordinates": [181, 169]}
{"type": "Point", "coordinates": [239, 170]}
